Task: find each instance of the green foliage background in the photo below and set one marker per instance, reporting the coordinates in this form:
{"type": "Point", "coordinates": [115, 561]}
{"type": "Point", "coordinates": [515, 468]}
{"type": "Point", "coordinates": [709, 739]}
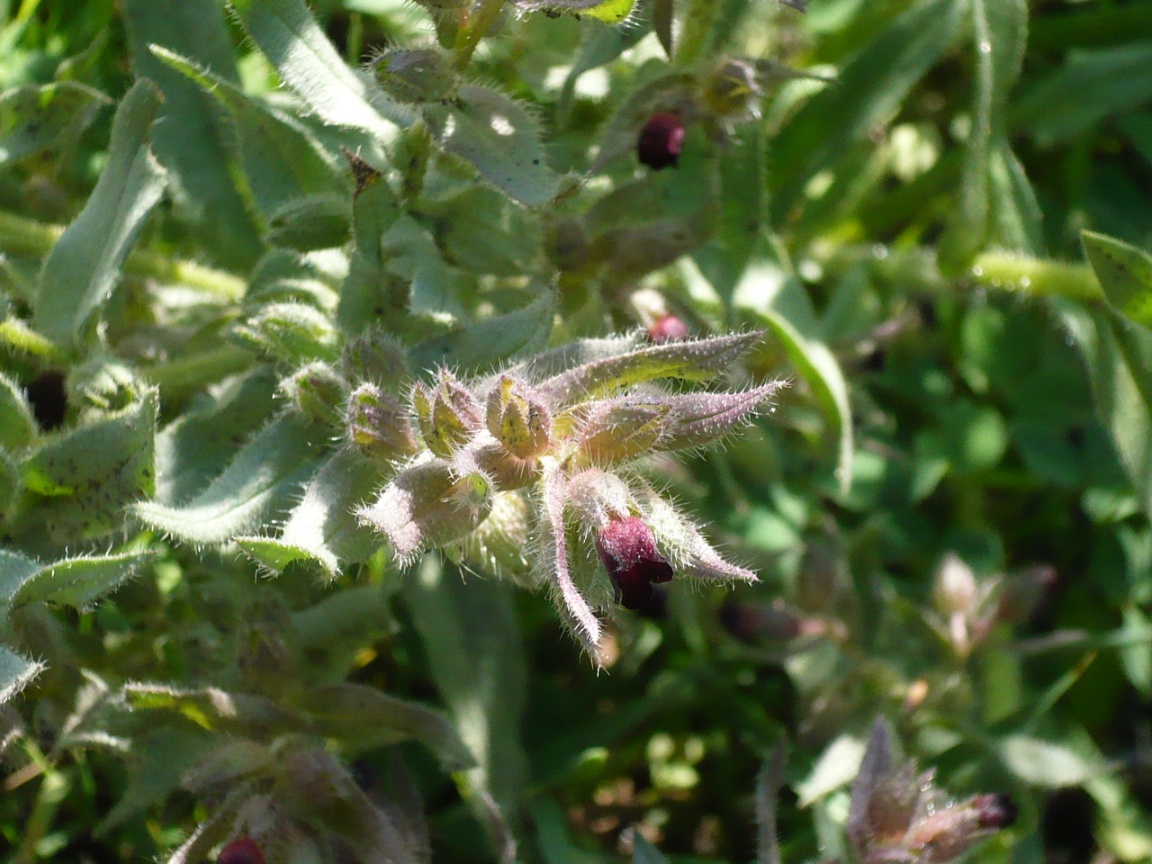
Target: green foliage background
{"type": "Point", "coordinates": [941, 227]}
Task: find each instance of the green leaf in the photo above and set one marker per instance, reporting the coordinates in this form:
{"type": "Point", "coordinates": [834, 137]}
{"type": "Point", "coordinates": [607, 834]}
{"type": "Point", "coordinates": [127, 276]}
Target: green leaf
{"type": "Point", "coordinates": [472, 639]}
{"type": "Point", "coordinates": [192, 139]}
{"type": "Point", "coordinates": [83, 266]}
{"type": "Point", "coordinates": [366, 718]}
{"type": "Point", "coordinates": [308, 63]}
{"type": "Point", "coordinates": [18, 427]}
{"type": "Point", "coordinates": [489, 342]}
{"type": "Point", "coordinates": [290, 333]}
{"type": "Point", "coordinates": [76, 582]}
{"type": "Point", "coordinates": [16, 673]}
{"type": "Point", "coordinates": [763, 294]}
{"type": "Point", "coordinates": [875, 83]}
{"type": "Point", "coordinates": [1045, 763]}
{"type": "Point", "coordinates": [198, 445]}
{"type": "Point", "coordinates": [500, 138]}
{"type": "Point", "coordinates": [1118, 355]}
{"type": "Point", "coordinates": [282, 159]}
{"type": "Point", "coordinates": [1088, 87]}
{"type": "Point", "coordinates": [999, 34]}
{"type": "Point", "coordinates": [90, 475]}
{"type": "Point", "coordinates": [248, 494]}
{"type": "Point", "coordinates": [321, 528]}
{"type": "Point", "coordinates": [1125, 274]}
{"type": "Point", "coordinates": [35, 118]}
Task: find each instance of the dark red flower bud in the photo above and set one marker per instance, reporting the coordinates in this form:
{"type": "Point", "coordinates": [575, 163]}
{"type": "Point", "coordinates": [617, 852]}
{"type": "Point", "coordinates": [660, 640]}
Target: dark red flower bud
{"type": "Point", "coordinates": [242, 850]}
{"type": "Point", "coordinates": [661, 141]}
{"type": "Point", "coordinates": [668, 328]}
{"type": "Point", "coordinates": [628, 549]}
{"type": "Point", "coordinates": [995, 811]}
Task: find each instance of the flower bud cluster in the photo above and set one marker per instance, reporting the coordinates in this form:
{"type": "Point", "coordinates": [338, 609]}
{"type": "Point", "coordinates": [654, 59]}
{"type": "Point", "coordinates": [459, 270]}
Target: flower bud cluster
{"type": "Point", "coordinates": [896, 814]}
{"type": "Point", "coordinates": [529, 472]}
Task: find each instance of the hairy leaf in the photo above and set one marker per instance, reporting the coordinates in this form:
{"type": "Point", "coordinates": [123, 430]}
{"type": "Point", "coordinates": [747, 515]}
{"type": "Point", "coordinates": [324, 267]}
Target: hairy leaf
{"type": "Point", "coordinates": [84, 265]}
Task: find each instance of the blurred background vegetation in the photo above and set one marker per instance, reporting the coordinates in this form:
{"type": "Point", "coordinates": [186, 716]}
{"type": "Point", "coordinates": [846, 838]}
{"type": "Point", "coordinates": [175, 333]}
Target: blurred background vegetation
{"type": "Point", "coordinates": [948, 509]}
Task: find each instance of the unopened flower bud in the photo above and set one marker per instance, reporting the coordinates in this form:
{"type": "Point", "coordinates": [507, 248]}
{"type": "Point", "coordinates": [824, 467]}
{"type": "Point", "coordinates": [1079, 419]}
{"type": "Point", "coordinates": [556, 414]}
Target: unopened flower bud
{"type": "Point", "coordinates": [518, 418]}
{"type": "Point", "coordinates": [661, 141]}
{"type": "Point", "coordinates": [378, 424]}
{"type": "Point", "coordinates": [620, 430]}
{"type": "Point", "coordinates": [447, 415]}
{"type": "Point", "coordinates": [628, 551]}
{"type": "Point", "coordinates": [667, 328]}
{"type": "Point", "coordinates": [955, 590]}
{"type": "Point", "coordinates": [732, 90]}
{"type": "Point", "coordinates": [317, 391]}
{"type": "Point", "coordinates": [946, 834]}
{"type": "Point", "coordinates": [242, 850]}
{"type": "Point", "coordinates": [377, 357]}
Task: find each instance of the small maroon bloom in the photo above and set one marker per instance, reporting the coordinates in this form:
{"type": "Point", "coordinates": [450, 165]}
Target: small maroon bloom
{"type": "Point", "coordinates": [628, 550]}
{"type": "Point", "coordinates": [995, 811]}
{"type": "Point", "coordinates": [668, 328]}
{"type": "Point", "coordinates": [242, 850]}
{"type": "Point", "coordinates": [661, 141]}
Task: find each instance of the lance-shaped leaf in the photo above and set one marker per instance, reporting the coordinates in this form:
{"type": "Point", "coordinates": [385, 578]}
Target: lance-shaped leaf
{"type": "Point", "coordinates": [322, 528]}
{"type": "Point", "coordinates": [258, 483]}
{"type": "Point", "coordinates": [192, 139]}
{"type": "Point", "coordinates": [425, 506]}
{"type": "Point", "coordinates": [471, 637]}
{"type": "Point", "coordinates": [309, 64]}
{"type": "Point", "coordinates": [215, 709]}
{"type": "Point", "coordinates": [691, 556]}
{"type": "Point", "coordinates": [16, 673]}
{"type": "Point", "coordinates": [571, 604]}
{"type": "Point", "coordinates": [1125, 274]}
{"type": "Point", "coordinates": [18, 427]}
{"type": "Point", "coordinates": [826, 129]}
{"type": "Point", "coordinates": [619, 430]}
{"type": "Point", "coordinates": [703, 418]}
{"type": "Point", "coordinates": [76, 582]}
{"type": "Point", "coordinates": [691, 360]}
{"type": "Point", "coordinates": [33, 118]}
{"type": "Point", "coordinates": [87, 477]}
{"type": "Point", "coordinates": [197, 446]}
{"type": "Point", "coordinates": [999, 33]}
{"type": "Point", "coordinates": [500, 138]}
{"type": "Point", "coordinates": [366, 718]}
{"type": "Point", "coordinates": [486, 342]}
{"type": "Point", "coordinates": [83, 266]}
{"type": "Point", "coordinates": [282, 159]}
{"type": "Point", "coordinates": [290, 333]}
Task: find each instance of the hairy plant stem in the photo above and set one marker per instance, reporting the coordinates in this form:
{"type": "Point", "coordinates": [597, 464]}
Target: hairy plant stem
{"type": "Point", "coordinates": [22, 236]}
{"type": "Point", "coordinates": [481, 19]}
{"type": "Point", "coordinates": [917, 267]}
{"type": "Point", "coordinates": [1039, 277]}
{"type": "Point", "coordinates": [192, 371]}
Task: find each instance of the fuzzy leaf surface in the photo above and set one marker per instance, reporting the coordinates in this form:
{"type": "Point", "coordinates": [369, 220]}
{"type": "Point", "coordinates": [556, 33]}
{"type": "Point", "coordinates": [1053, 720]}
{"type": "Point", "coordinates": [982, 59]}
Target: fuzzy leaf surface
{"type": "Point", "coordinates": [83, 266]}
{"type": "Point", "coordinates": [500, 138]}
{"type": "Point", "coordinates": [259, 482]}
{"type": "Point", "coordinates": [192, 139]}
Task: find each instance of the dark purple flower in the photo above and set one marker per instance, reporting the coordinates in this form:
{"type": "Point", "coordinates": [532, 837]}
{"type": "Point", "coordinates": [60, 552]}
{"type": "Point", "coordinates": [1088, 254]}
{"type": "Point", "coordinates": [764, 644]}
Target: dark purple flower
{"type": "Point", "coordinates": [661, 141]}
{"type": "Point", "coordinates": [242, 850]}
{"type": "Point", "coordinates": [628, 549]}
